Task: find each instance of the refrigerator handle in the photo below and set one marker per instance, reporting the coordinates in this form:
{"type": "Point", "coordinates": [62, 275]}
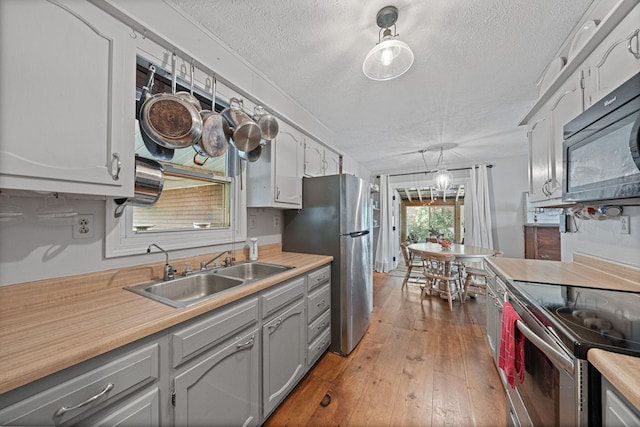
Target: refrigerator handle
{"type": "Point", "coordinates": [356, 233]}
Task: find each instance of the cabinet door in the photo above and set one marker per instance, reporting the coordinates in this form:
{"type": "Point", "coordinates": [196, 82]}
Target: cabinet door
{"type": "Point", "coordinates": [283, 355]}
{"type": "Point", "coordinates": [313, 158]}
{"type": "Point", "coordinates": [331, 163]}
{"type": "Point", "coordinates": [564, 107]}
{"type": "Point", "coordinates": [617, 58]}
{"type": "Point", "coordinates": [288, 179]}
{"type": "Point", "coordinates": [539, 135]}
{"type": "Point", "coordinates": [222, 389]}
{"type": "Point", "coordinates": [67, 109]}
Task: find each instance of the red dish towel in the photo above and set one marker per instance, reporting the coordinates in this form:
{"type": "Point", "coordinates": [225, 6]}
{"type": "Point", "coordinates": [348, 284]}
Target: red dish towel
{"type": "Point", "coordinates": [511, 358]}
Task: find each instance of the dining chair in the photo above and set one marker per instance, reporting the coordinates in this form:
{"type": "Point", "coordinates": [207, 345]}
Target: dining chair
{"type": "Point", "coordinates": [476, 278]}
{"type": "Point", "coordinates": [441, 277]}
{"type": "Point", "coordinates": [432, 240]}
{"type": "Point", "coordinates": [411, 261]}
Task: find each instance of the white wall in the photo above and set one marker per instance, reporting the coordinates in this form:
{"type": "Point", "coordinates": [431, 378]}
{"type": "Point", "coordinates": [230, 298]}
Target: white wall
{"type": "Point", "coordinates": [509, 178]}
{"type": "Point", "coordinates": [30, 251]}
{"type": "Point", "coordinates": [604, 240]}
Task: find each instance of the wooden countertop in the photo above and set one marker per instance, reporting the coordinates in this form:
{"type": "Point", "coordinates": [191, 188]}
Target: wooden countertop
{"type": "Point", "coordinates": [68, 326]}
{"type": "Point", "coordinates": [582, 272]}
{"type": "Point", "coordinates": [621, 371]}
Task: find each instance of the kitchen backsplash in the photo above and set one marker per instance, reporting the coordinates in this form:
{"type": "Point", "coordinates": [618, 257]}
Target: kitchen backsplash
{"type": "Point", "coordinates": [32, 251]}
{"type": "Point", "coordinates": [604, 239]}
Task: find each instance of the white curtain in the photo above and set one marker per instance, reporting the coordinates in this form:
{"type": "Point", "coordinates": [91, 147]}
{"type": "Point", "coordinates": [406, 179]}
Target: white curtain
{"type": "Point", "coordinates": [477, 213]}
{"type": "Point", "coordinates": [384, 250]}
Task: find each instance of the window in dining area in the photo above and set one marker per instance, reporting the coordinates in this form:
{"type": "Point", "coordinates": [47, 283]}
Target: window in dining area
{"type": "Point", "coordinates": [432, 215]}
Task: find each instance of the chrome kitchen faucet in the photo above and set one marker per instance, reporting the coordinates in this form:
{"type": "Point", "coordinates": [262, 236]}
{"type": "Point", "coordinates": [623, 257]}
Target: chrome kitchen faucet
{"type": "Point", "coordinates": [227, 260]}
{"type": "Point", "coordinates": [169, 272]}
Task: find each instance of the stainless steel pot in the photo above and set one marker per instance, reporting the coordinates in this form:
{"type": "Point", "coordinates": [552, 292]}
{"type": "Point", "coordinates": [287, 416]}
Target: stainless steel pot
{"type": "Point", "coordinates": [216, 132]}
{"type": "Point", "coordinates": [170, 120]}
{"type": "Point", "coordinates": [246, 133]}
{"type": "Point", "coordinates": [149, 180]}
{"type": "Point", "coordinates": [156, 150]}
{"type": "Point", "coordinates": [269, 126]}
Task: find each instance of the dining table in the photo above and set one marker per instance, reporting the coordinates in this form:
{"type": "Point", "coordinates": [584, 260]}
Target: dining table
{"type": "Point", "coordinates": [462, 253]}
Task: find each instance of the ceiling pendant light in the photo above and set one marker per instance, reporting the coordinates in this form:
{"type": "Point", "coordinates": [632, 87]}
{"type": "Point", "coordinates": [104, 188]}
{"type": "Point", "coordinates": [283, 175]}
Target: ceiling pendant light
{"type": "Point", "coordinates": [443, 177]}
{"type": "Point", "coordinates": [390, 58]}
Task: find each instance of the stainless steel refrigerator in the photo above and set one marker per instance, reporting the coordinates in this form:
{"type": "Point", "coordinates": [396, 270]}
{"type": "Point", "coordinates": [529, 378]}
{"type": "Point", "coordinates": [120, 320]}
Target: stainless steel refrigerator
{"type": "Point", "coordinates": [335, 219]}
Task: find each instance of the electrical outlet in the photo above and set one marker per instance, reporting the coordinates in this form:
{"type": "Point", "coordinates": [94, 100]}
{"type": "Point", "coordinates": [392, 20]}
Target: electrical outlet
{"type": "Point", "coordinates": [276, 220]}
{"type": "Point", "coordinates": [252, 221]}
{"type": "Point", "coordinates": [624, 224]}
{"type": "Point", "coordinates": [83, 229]}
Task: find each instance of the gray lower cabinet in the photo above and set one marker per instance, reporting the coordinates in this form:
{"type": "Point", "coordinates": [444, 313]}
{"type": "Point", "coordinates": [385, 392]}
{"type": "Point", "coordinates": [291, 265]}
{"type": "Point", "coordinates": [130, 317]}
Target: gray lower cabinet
{"type": "Point", "coordinates": [230, 367]}
{"type": "Point", "coordinates": [616, 409]}
{"type": "Point", "coordinates": [222, 389]}
{"type": "Point", "coordinates": [121, 385]}
{"type": "Point", "coordinates": [284, 347]}
{"type": "Point", "coordinates": [318, 313]}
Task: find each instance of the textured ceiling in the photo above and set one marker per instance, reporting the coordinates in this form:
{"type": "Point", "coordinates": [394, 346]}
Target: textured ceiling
{"type": "Point", "coordinates": [473, 79]}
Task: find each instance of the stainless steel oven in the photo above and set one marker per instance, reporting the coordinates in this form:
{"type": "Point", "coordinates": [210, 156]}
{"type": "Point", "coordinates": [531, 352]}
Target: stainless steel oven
{"type": "Point", "coordinates": [560, 323]}
{"type": "Point", "coordinates": [553, 392]}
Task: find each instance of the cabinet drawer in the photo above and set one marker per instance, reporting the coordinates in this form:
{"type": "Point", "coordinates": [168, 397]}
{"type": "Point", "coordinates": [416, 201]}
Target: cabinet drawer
{"type": "Point", "coordinates": [80, 396]}
{"type": "Point", "coordinates": [318, 277]}
{"type": "Point", "coordinates": [318, 301]}
{"type": "Point", "coordinates": [318, 347]}
{"type": "Point", "coordinates": [320, 324]}
{"type": "Point", "coordinates": [273, 300]}
{"type": "Point", "coordinates": [216, 327]}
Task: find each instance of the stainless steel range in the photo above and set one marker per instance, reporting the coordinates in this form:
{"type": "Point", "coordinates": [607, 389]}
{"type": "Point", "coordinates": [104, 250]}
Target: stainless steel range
{"type": "Point", "coordinates": [560, 324]}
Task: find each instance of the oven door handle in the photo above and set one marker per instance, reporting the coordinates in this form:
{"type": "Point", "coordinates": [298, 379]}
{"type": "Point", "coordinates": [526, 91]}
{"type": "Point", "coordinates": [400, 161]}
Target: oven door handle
{"type": "Point", "coordinates": [554, 355]}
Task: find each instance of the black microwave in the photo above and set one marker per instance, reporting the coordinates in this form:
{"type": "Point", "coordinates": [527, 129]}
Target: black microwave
{"type": "Point", "coordinates": [601, 149]}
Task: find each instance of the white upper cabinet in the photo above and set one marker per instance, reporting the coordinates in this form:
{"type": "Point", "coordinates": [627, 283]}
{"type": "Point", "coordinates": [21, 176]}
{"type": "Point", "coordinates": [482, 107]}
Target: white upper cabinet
{"type": "Point", "coordinates": [587, 78]}
{"type": "Point", "coordinates": [67, 78]}
{"type": "Point", "coordinates": [539, 141]}
{"type": "Point", "coordinates": [275, 179]}
{"type": "Point", "coordinates": [318, 160]}
{"type": "Point", "coordinates": [616, 59]}
{"type": "Point", "coordinates": [313, 158]}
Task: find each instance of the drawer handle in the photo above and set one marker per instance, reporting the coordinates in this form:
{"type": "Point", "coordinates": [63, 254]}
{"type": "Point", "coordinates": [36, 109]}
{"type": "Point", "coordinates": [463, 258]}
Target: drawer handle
{"type": "Point", "coordinates": [321, 303]}
{"type": "Point", "coordinates": [276, 324]}
{"type": "Point", "coordinates": [322, 325]}
{"type": "Point", "coordinates": [322, 344]}
{"type": "Point", "coordinates": [246, 344]}
{"type": "Point", "coordinates": [544, 256]}
{"type": "Point", "coordinates": [60, 412]}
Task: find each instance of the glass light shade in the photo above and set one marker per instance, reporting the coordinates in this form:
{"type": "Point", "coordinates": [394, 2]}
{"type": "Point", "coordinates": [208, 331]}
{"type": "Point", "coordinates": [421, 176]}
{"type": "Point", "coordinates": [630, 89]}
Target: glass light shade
{"type": "Point", "coordinates": [443, 179]}
{"type": "Point", "coordinates": [387, 60]}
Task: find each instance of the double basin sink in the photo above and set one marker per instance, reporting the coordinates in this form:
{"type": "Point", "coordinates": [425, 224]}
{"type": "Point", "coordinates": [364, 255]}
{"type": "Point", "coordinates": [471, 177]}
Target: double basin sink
{"type": "Point", "coordinates": [201, 285]}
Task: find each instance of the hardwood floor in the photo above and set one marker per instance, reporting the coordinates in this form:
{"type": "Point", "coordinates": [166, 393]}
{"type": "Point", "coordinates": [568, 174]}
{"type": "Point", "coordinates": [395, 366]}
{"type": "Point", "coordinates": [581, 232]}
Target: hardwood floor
{"type": "Point", "coordinates": [417, 365]}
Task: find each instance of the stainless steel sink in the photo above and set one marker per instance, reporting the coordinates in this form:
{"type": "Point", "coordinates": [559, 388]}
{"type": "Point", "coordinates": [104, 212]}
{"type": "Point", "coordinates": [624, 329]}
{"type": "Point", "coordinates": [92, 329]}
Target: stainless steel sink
{"type": "Point", "coordinates": [186, 290]}
{"type": "Point", "coordinates": [251, 270]}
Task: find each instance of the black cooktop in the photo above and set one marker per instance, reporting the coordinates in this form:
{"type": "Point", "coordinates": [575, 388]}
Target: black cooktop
{"type": "Point", "coordinates": [585, 318]}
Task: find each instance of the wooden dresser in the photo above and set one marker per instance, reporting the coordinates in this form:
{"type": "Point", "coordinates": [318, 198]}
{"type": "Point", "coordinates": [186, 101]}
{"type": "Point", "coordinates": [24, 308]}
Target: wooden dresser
{"type": "Point", "coordinates": [542, 242]}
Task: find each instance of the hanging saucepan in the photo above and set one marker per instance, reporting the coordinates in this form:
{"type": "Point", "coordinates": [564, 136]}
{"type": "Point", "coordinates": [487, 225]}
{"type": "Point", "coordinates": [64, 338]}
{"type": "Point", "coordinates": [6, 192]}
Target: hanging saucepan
{"type": "Point", "coordinates": [268, 123]}
{"type": "Point", "coordinates": [149, 180]}
{"type": "Point", "coordinates": [157, 151]}
{"type": "Point", "coordinates": [246, 133]}
{"type": "Point", "coordinates": [252, 155]}
{"type": "Point", "coordinates": [216, 133]}
{"type": "Point", "coordinates": [188, 96]}
{"type": "Point", "coordinates": [169, 120]}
